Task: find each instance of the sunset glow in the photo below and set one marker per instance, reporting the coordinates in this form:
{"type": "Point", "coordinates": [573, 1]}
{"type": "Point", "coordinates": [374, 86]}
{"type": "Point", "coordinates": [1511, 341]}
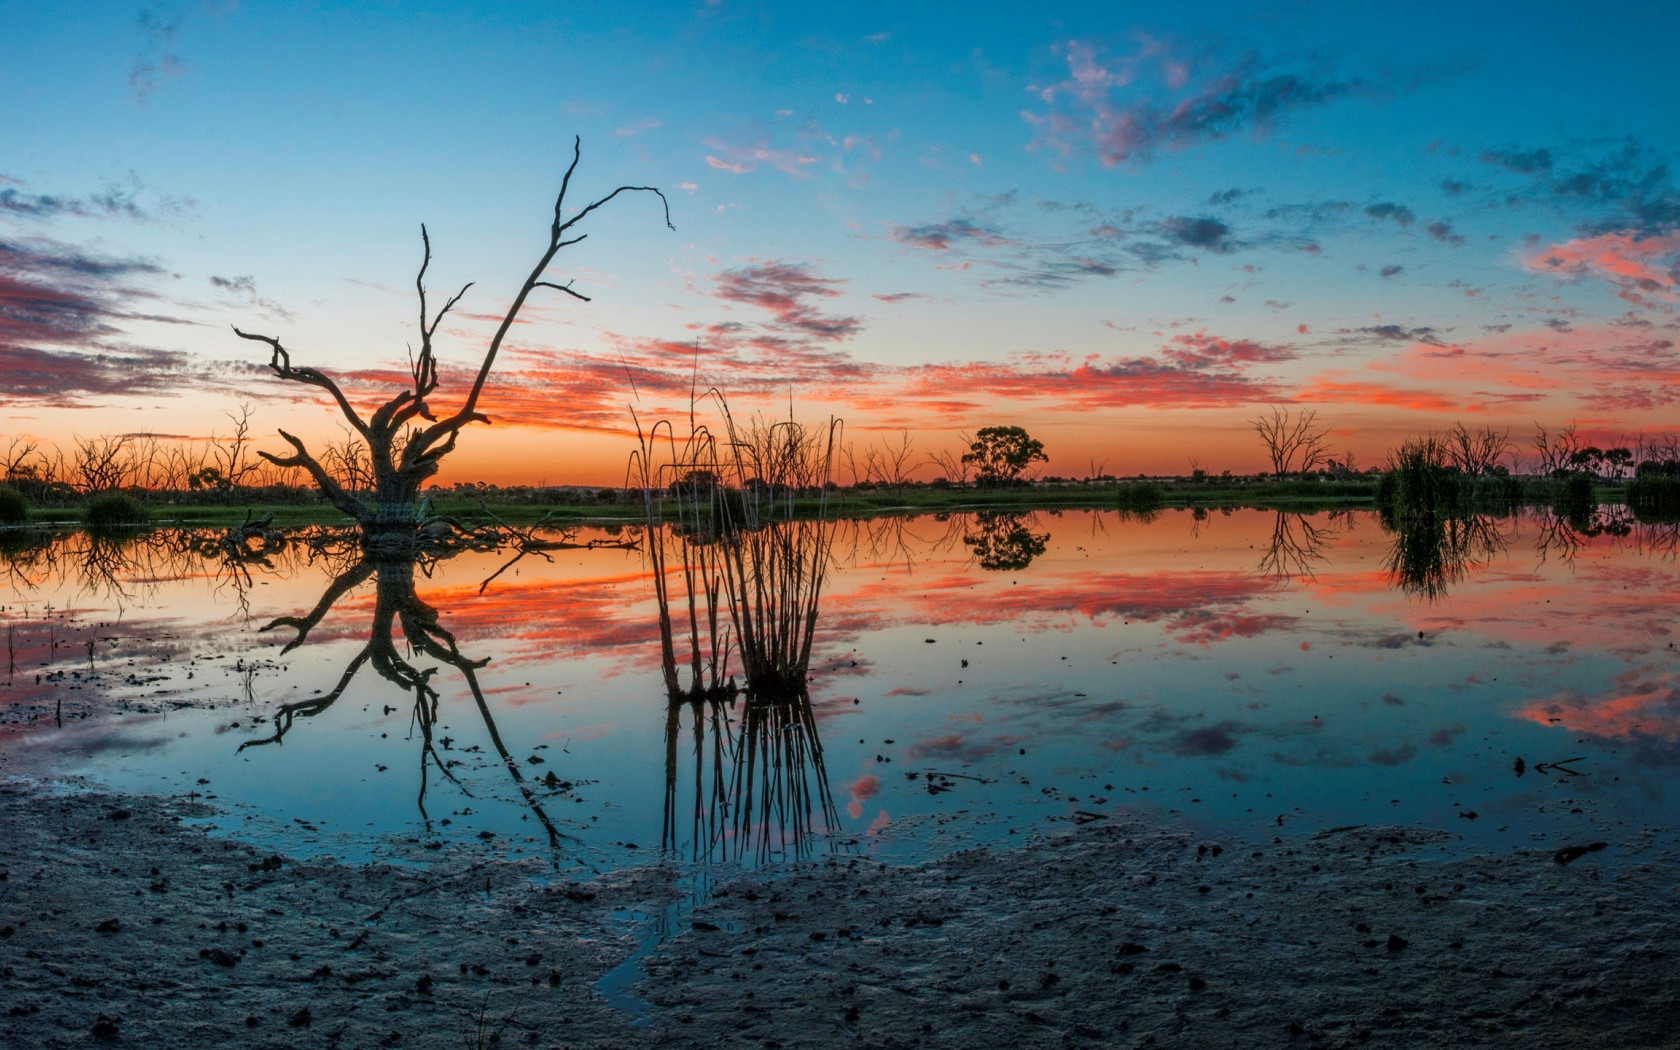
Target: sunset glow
{"type": "Point", "coordinates": [1127, 229]}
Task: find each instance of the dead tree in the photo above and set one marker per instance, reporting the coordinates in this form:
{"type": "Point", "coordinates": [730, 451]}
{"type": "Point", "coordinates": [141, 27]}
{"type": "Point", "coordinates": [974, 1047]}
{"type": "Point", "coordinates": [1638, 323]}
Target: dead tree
{"type": "Point", "coordinates": [403, 453]}
{"type": "Point", "coordinates": [1295, 444]}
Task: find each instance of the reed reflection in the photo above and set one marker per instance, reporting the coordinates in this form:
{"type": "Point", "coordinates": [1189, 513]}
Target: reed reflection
{"type": "Point", "coordinates": [745, 598]}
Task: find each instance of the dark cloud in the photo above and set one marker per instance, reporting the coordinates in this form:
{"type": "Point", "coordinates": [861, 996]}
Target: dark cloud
{"type": "Point", "coordinates": [943, 236]}
{"type": "Point", "coordinates": [1197, 232]}
{"type": "Point", "coordinates": [245, 288]}
{"type": "Point", "coordinates": [1454, 188]}
{"type": "Point", "coordinates": [1307, 214]}
{"type": "Point", "coordinates": [1391, 271]}
{"type": "Point", "coordinates": [61, 324]}
{"type": "Point", "coordinates": [1230, 196]}
{"type": "Point", "coordinates": [1443, 232]}
{"type": "Point", "coordinates": [1099, 106]}
{"type": "Point", "coordinates": [1389, 210]}
{"type": "Point", "coordinates": [1523, 162]}
{"type": "Point", "coordinates": [791, 292]}
{"type": "Point", "coordinates": [1210, 351]}
{"type": "Point", "coordinates": [1394, 333]}
{"type": "Point", "coordinates": [1630, 188]}
{"type": "Point", "coordinates": [119, 200]}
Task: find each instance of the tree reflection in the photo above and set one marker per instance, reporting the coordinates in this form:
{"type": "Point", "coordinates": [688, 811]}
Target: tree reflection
{"type": "Point", "coordinates": [399, 610]}
{"type": "Point", "coordinates": [1296, 546]}
{"type": "Point", "coordinates": [1431, 552]}
{"type": "Point", "coordinates": [1004, 542]}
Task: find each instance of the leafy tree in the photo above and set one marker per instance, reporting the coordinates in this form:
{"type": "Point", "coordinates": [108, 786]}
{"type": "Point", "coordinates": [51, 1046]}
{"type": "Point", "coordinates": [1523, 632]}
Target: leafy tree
{"type": "Point", "coordinates": [1001, 454]}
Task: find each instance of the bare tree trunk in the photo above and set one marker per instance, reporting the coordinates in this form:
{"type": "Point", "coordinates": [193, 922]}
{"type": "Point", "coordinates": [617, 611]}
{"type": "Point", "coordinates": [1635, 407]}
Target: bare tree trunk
{"type": "Point", "coordinates": [403, 454]}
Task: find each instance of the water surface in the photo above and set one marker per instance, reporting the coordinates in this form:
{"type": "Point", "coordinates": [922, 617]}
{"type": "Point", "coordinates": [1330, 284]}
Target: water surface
{"type": "Point", "coordinates": [969, 678]}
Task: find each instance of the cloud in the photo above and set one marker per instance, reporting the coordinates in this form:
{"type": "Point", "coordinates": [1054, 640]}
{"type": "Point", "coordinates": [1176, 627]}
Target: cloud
{"type": "Point", "coordinates": [1443, 232]}
{"type": "Point", "coordinates": [245, 288]}
{"type": "Point", "coordinates": [118, 200]}
{"type": "Point", "coordinates": [790, 291]}
{"type": "Point", "coordinates": [638, 127]}
{"type": "Point", "coordinates": [942, 236]}
{"type": "Point", "coordinates": [1523, 162]}
{"type": "Point", "coordinates": [1210, 234]}
{"type": "Point", "coordinates": [62, 313]}
{"type": "Point", "coordinates": [1643, 268]}
{"type": "Point", "coordinates": [739, 160]}
{"type": "Point", "coordinates": [1206, 741]}
{"type": "Point", "coordinates": [1090, 384]}
{"type": "Point", "coordinates": [157, 61]}
{"type": "Point", "coordinates": [1208, 351]}
{"type": "Point", "coordinates": [1105, 106]}
{"type": "Point", "coordinates": [1629, 189]}
{"type": "Point", "coordinates": [1391, 271]}
{"type": "Point", "coordinates": [1401, 214]}
{"type": "Point", "coordinates": [1394, 333]}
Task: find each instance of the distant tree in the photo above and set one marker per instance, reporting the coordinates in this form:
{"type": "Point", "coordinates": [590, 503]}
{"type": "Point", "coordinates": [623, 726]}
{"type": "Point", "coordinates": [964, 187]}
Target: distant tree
{"type": "Point", "coordinates": [1000, 455]}
{"type": "Point", "coordinates": [1618, 461]}
{"type": "Point", "coordinates": [400, 452]}
{"type": "Point", "coordinates": [1556, 453]}
{"type": "Point", "coordinates": [1478, 451]}
{"type": "Point", "coordinates": [1294, 443]}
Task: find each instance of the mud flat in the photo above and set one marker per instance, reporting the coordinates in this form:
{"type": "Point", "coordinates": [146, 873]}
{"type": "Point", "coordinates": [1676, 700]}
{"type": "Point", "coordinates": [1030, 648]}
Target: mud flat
{"type": "Point", "coordinates": [133, 921]}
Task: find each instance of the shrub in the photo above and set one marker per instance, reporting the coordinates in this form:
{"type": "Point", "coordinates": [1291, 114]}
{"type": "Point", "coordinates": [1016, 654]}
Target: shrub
{"type": "Point", "coordinates": [1140, 496]}
{"type": "Point", "coordinates": [114, 510]}
{"type": "Point", "coordinates": [14, 509]}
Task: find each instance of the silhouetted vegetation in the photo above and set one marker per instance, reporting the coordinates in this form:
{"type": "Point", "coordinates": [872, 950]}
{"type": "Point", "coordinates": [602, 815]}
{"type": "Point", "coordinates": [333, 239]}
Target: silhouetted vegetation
{"type": "Point", "coordinates": [14, 509]}
{"type": "Point", "coordinates": [1654, 492]}
{"type": "Point", "coordinates": [399, 454]}
{"type": "Point", "coordinates": [1139, 496]}
{"type": "Point", "coordinates": [114, 510]}
{"type": "Point", "coordinates": [1000, 455]}
{"type": "Point", "coordinates": [1295, 443]}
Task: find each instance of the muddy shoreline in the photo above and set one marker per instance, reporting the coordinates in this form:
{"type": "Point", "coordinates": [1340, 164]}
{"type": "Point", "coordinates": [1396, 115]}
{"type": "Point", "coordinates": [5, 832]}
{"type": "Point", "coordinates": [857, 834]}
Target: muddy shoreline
{"type": "Point", "coordinates": [133, 921]}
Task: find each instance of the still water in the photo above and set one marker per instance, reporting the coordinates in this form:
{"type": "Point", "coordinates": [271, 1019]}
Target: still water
{"type": "Point", "coordinates": [895, 688]}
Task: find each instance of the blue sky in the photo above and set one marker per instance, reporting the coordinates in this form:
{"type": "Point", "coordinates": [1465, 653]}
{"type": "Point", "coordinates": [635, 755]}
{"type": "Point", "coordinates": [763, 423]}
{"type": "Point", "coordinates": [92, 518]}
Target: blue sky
{"type": "Point", "coordinates": [1130, 227]}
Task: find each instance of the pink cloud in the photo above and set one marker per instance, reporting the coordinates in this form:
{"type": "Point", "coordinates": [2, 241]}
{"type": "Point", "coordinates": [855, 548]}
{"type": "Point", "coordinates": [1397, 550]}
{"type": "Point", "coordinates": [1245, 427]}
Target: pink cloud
{"type": "Point", "coordinates": [1642, 267]}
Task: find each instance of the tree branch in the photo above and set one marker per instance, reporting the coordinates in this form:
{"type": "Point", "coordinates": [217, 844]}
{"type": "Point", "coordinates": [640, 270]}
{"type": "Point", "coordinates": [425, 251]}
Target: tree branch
{"type": "Point", "coordinates": [281, 362]}
{"type": "Point", "coordinates": [328, 484]}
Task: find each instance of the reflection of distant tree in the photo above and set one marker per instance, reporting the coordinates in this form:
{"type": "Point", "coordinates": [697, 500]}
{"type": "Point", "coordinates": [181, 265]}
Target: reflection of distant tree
{"type": "Point", "coordinates": [397, 606]}
{"type": "Point", "coordinates": [1296, 546]}
{"type": "Point", "coordinates": [1003, 542]}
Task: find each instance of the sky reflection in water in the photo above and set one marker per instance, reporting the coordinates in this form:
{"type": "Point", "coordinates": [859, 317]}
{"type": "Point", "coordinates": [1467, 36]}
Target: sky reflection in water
{"type": "Point", "coordinates": [1229, 670]}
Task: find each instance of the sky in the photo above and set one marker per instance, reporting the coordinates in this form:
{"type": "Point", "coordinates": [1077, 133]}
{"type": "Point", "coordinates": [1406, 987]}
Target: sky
{"type": "Point", "coordinates": [1129, 228]}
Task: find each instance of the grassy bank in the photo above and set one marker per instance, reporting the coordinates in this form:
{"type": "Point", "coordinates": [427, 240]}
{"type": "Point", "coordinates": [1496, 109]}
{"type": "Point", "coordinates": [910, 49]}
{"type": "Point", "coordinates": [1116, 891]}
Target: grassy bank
{"type": "Point", "coordinates": [570, 505]}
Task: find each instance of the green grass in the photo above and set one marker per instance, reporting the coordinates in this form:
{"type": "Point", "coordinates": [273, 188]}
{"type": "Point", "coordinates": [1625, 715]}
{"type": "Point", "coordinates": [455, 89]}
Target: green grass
{"type": "Point", "coordinates": [527, 507]}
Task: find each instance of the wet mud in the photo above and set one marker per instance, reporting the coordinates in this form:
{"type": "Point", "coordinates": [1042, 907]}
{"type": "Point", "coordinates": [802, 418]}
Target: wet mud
{"type": "Point", "coordinates": [135, 921]}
